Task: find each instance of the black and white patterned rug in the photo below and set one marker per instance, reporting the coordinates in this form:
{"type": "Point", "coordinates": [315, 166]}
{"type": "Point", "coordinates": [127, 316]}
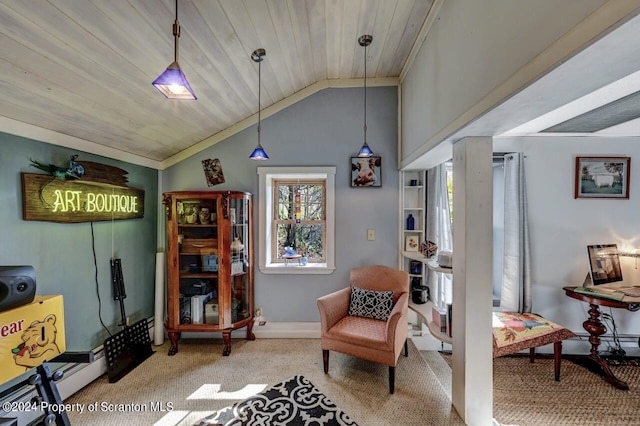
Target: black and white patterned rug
{"type": "Point", "coordinates": [293, 402]}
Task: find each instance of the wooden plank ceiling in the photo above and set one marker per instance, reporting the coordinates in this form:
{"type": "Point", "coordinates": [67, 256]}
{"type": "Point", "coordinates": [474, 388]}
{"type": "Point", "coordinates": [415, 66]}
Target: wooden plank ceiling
{"type": "Point", "coordinates": [84, 68]}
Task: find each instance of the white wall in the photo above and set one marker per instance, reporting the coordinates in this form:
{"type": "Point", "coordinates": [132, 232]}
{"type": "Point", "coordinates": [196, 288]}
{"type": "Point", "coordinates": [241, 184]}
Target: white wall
{"type": "Point", "coordinates": [562, 226]}
{"type": "Point", "coordinates": [473, 47]}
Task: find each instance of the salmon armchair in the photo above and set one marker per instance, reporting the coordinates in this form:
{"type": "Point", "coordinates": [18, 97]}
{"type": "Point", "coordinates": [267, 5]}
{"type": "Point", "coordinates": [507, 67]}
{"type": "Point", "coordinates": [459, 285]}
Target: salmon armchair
{"type": "Point", "coordinates": [378, 340]}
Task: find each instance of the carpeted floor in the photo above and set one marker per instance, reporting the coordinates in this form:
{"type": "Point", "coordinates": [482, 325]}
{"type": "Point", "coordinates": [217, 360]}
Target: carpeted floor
{"type": "Point", "coordinates": [526, 394]}
{"type": "Point", "coordinates": [198, 381]}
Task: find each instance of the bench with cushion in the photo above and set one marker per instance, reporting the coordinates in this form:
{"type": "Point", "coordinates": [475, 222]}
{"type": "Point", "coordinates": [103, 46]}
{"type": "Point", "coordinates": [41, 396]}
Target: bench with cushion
{"type": "Point", "coordinates": [514, 332]}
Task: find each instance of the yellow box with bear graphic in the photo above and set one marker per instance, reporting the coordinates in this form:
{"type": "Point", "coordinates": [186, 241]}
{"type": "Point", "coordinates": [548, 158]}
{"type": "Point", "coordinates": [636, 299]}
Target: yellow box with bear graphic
{"type": "Point", "coordinates": [30, 335]}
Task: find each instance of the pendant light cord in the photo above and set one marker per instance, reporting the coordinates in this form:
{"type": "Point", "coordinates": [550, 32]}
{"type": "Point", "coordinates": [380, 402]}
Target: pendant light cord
{"type": "Point", "coordinates": [365, 94]}
{"type": "Point", "coordinates": [259, 92]}
{"type": "Point", "coordinates": [176, 35]}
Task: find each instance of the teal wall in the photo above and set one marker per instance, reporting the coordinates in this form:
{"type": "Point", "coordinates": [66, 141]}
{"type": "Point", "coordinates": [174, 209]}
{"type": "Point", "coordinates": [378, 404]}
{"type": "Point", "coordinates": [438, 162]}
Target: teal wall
{"type": "Point", "coordinates": [62, 254]}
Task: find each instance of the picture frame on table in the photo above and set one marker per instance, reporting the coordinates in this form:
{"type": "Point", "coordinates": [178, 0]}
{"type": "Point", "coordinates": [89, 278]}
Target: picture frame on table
{"type": "Point", "coordinates": [411, 243]}
{"type": "Point", "coordinates": [366, 172]}
{"type": "Point", "coordinates": [602, 177]}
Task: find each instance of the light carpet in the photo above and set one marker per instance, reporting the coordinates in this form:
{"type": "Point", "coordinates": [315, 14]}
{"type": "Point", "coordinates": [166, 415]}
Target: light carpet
{"type": "Point", "coordinates": [198, 381]}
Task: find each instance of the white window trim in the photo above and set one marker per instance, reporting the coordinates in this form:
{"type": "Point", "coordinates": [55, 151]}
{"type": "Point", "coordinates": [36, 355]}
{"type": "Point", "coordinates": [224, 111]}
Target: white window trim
{"type": "Point", "coordinates": [266, 175]}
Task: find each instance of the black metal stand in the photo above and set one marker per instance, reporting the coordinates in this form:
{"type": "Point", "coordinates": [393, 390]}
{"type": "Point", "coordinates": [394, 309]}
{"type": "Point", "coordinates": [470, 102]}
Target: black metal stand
{"type": "Point", "coordinates": [45, 383]}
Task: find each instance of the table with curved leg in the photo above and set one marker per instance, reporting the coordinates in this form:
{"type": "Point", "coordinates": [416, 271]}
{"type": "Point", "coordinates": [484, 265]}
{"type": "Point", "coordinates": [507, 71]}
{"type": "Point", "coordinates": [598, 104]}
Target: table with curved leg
{"type": "Point", "coordinates": [596, 328]}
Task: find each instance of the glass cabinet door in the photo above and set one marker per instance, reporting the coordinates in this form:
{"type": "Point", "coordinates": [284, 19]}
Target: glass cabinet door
{"type": "Point", "coordinates": [198, 261]}
{"type": "Point", "coordinates": [240, 258]}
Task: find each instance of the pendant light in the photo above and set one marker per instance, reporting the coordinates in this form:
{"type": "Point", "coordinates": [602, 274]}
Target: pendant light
{"type": "Point", "coordinates": [172, 83]}
{"type": "Point", "coordinates": [259, 153]}
{"type": "Point", "coordinates": [364, 41]}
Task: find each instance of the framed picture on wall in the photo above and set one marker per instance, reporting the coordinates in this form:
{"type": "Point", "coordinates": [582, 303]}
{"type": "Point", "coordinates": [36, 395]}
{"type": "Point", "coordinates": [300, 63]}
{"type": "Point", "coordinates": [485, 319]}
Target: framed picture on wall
{"type": "Point", "coordinates": [602, 177]}
{"type": "Point", "coordinates": [366, 172]}
{"type": "Point", "coordinates": [411, 243]}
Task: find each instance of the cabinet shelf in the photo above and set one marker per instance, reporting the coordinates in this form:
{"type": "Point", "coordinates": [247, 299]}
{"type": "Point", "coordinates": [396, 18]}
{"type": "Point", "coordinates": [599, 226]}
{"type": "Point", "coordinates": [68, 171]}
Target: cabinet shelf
{"type": "Point", "coordinates": [198, 275]}
{"type": "Point", "coordinates": [197, 225]}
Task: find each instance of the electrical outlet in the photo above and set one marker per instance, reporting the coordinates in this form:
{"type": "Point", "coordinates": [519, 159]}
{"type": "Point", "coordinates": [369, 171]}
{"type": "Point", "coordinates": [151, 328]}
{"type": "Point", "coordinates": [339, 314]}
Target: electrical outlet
{"type": "Point", "coordinates": [371, 234]}
{"type": "Point", "coordinates": [258, 312]}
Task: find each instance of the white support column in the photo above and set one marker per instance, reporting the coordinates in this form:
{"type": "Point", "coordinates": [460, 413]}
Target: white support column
{"type": "Point", "coordinates": [472, 360]}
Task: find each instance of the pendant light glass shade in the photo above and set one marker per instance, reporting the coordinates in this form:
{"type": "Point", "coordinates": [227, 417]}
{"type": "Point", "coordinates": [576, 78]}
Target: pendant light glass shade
{"type": "Point", "coordinates": [172, 83]}
{"type": "Point", "coordinates": [364, 41]}
{"type": "Point", "coordinates": [259, 153]}
{"type": "Point", "coordinates": [365, 151]}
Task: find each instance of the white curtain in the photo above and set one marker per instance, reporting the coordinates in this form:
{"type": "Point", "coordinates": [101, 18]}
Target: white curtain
{"type": "Point", "coordinates": [516, 276]}
{"type": "Point", "coordinates": [439, 229]}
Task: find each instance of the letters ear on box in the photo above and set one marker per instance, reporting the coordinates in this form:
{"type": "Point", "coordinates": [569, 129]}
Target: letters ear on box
{"type": "Point", "coordinates": [33, 334]}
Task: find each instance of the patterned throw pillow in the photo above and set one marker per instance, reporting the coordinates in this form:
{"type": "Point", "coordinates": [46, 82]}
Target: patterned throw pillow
{"type": "Point", "coordinates": [371, 304]}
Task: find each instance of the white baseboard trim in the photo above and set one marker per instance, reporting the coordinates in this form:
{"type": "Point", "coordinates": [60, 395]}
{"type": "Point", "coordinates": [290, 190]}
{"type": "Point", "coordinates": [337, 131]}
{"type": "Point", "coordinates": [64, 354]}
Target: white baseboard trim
{"type": "Point", "coordinates": [287, 330]}
{"type": "Point", "coordinates": [270, 330]}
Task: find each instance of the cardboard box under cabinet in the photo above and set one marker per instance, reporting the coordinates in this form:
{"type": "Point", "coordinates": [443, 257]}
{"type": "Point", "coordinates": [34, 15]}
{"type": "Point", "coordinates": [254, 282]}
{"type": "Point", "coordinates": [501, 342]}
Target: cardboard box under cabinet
{"type": "Point", "coordinates": [211, 315]}
{"type": "Point", "coordinates": [30, 335]}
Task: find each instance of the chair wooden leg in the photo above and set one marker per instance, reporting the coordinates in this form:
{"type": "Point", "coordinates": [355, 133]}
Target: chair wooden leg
{"type": "Point", "coordinates": [325, 360]}
{"type": "Point", "coordinates": [557, 356]}
{"type": "Point", "coordinates": [532, 354]}
{"type": "Point", "coordinates": [406, 348]}
{"type": "Point", "coordinates": [392, 378]}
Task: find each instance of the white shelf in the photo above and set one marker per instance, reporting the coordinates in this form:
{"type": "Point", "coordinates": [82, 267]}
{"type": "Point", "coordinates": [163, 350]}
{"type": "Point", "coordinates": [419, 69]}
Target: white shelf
{"type": "Point", "coordinates": [415, 255]}
{"type": "Point", "coordinates": [433, 265]}
{"type": "Point", "coordinates": [413, 230]}
{"type": "Point", "coordinates": [414, 208]}
{"type": "Point", "coordinates": [413, 187]}
{"type": "Point", "coordinates": [425, 311]}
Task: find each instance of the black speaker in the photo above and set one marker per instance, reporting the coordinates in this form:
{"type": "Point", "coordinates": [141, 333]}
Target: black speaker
{"type": "Point", "coordinates": [17, 286]}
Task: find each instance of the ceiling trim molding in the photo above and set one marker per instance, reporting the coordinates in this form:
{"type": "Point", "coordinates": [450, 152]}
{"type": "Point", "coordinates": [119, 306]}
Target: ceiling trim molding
{"type": "Point", "coordinates": [608, 17]}
{"type": "Point", "coordinates": [273, 109]}
{"type": "Point", "coordinates": [422, 35]}
{"type": "Point", "coordinates": [25, 130]}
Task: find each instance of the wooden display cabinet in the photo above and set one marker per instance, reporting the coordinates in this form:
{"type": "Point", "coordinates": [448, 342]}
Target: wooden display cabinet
{"type": "Point", "coordinates": [209, 264]}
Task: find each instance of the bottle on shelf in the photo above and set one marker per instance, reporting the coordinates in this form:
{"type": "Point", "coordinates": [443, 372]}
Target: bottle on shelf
{"type": "Point", "coordinates": [411, 222]}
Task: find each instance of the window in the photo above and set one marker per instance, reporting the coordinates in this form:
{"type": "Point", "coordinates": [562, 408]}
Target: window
{"type": "Point", "coordinates": [299, 218]}
{"type": "Point", "coordinates": [296, 209]}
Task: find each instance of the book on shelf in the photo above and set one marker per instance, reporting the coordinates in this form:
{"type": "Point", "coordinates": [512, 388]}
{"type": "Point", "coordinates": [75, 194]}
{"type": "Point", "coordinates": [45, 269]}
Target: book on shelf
{"type": "Point", "coordinates": [449, 312]}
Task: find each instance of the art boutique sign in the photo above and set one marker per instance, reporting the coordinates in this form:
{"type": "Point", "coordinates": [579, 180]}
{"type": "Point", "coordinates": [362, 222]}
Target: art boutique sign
{"type": "Point", "coordinates": [46, 198]}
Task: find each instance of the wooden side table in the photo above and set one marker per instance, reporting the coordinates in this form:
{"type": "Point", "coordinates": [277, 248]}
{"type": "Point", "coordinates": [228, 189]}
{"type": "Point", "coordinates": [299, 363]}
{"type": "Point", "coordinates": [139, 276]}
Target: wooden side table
{"type": "Point", "coordinates": [596, 328]}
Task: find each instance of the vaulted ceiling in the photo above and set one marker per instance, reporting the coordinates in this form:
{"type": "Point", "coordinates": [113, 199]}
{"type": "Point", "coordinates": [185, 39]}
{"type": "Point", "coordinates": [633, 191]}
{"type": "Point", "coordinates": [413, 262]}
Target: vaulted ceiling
{"type": "Point", "coordinates": [83, 68]}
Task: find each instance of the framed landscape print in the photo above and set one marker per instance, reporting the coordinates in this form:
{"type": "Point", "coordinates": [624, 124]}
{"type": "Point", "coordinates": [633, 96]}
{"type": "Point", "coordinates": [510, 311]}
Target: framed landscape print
{"type": "Point", "coordinates": [602, 177]}
{"type": "Point", "coordinates": [366, 172]}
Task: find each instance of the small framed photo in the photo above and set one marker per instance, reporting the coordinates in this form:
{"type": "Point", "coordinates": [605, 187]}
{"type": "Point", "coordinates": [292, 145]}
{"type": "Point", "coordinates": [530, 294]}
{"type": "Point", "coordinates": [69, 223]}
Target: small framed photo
{"type": "Point", "coordinates": [366, 172]}
{"type": "Point", "coordinates": [411, 243]}
{"type": "Point", "coordinates": [602, 177]}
